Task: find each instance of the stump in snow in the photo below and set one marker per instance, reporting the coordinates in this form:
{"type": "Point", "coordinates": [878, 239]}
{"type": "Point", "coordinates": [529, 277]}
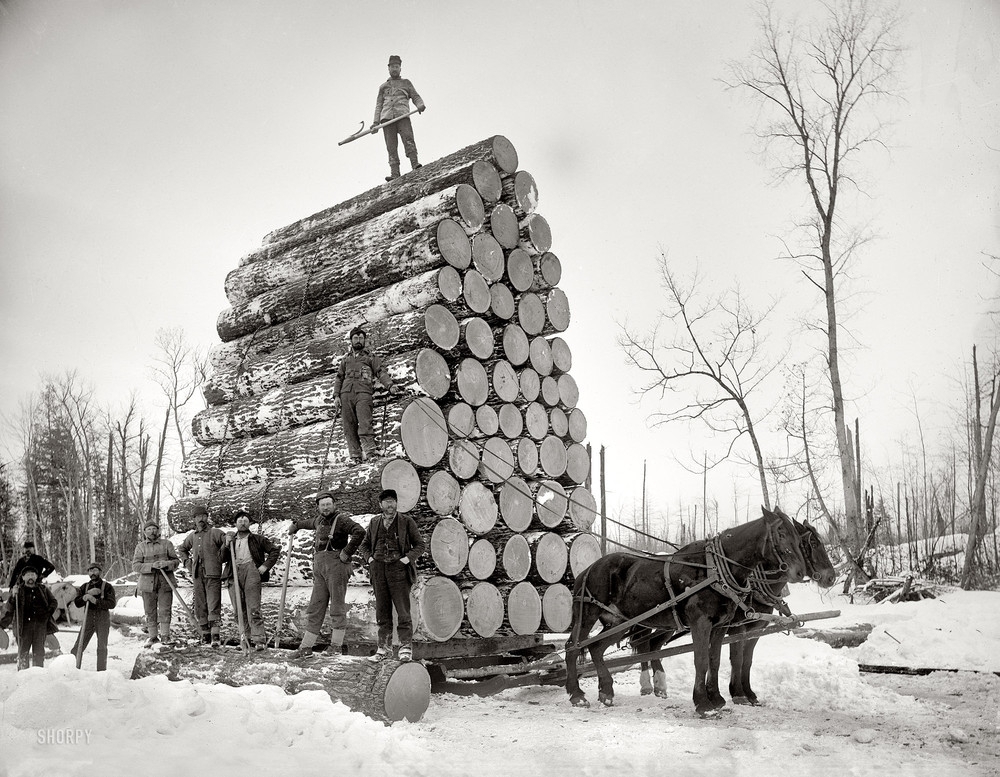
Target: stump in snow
{"type": "Point", "coordinates": [388, 691]}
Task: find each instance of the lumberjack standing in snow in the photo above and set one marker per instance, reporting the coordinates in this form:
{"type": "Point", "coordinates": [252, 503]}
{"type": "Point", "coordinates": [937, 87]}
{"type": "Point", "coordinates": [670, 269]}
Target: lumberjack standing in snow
{"type": "Point", "coordinates": [353, 395]}
{"type": "Point", "coordinates": [337, 537]}
{"type": "Point", "coordinates": [153, 554]}
{"type": "Point", "coordinates": [392, 102]}
{"type": "Point", "coordinates": [201, 553]}
{"type": "Point", "coordinates": [392, 543]}
{"type": "Point", "coordinates": [43, 567]}
{"type": "Point", "coordinates": [30, 608]}
{"type": "Point", "coordinates": [255, 554]}
{"type": "Point", "coordinates": [98, 597]}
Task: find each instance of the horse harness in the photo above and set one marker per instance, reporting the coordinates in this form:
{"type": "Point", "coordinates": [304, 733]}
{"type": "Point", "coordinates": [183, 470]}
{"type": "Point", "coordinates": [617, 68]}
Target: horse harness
{"type": "Point", "coordinates": [719, 576]}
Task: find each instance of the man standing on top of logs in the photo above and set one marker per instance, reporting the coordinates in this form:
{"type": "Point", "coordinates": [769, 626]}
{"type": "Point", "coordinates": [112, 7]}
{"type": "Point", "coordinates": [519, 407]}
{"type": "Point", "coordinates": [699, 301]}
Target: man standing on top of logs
{"type": "Point", "coordinates": [201, 553]}
{"type": "Point", "coordinates": [43, 567]}
{"type": "Point", "coordinates": [393, 102]}
{"type": "Point", "coordinates": [97, 596]}
{"type": "Point", "coordinates": [255, 554]}
{"type": "Point", "coordinates": [353, 391]}
{"type": "Point", "coordinates": [337, 537]}
{"type": "Point", "coordinates": [154, 561]}
{"type": "Point", "coordinates": [392, 544]}
{"type": "Point", "coordinates": [29, 609]}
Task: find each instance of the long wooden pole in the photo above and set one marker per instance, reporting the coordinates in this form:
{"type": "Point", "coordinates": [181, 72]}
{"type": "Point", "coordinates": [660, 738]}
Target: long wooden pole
{"type": "Point", "coordinates": [284, 591]}
{"type": "Point", "coordinates": [79, 638]}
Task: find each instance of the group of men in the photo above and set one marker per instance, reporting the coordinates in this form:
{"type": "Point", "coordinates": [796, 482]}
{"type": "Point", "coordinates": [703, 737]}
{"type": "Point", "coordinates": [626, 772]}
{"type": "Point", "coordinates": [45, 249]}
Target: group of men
{"type": "Point", "coordinates": [30, 609]}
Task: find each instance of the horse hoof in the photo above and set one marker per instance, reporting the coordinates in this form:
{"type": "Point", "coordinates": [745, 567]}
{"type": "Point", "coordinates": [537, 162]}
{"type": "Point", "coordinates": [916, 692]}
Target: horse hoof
{"type": "Point", "coordinates": [646, 691]}
{"type": "Point", "coordinates": [709, 714]}
{"type": "Point", "coordinates": [579, 701]}
{"type": "Point", "coordinates": [741, 700]}
{"type": "Point", "coordinates": [660, 694]}
{"type": "Point", "coordinates": [606, 699]}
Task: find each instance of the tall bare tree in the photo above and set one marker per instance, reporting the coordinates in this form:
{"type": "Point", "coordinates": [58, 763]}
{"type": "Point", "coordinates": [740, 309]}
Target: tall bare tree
{"type": "Point", "coordinates": [179, 369]}
{"type": "Point", "coordinates": [712, 355]}
{"type": "Point", "coordinates": [818, 90]}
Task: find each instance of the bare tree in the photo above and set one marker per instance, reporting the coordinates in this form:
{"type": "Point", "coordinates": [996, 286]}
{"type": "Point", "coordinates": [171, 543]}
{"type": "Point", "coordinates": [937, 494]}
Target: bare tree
{"type": "Point", "coordinates": [816, 89]}
{"type": "Point", "coordinates": [712, 354]}
{"type": "Point", "coordinates": [179, 369]}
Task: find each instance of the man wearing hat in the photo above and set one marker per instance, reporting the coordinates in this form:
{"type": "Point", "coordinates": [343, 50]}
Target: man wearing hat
{"type": "Point", "coordinates": [98, 596]}
{"type": "Point", "coordinates": [154, 560]}
{"type": "Point", "coordinates": [392, 102]}
{"type": "Point", "coordinates": [43, 567]}
{"type": "Point", "coordinates": [254, 555]}
{"type": "Point", "coordinates": [337, 537]}
{"type": "Point", "coordinates": [353, 389]}
{"type": "Point", "coordinates": [391, 546]}
{"type": "Point", "coordinates": [201, 553]}
{"type": "Point", "coordinates": [29, 609]}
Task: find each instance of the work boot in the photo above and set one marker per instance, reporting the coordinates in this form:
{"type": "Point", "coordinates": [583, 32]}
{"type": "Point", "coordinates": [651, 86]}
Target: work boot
{"type": "Point", "coordinates": [336, 642]}
{"type": "Point", "coordinates": [216, 641]}
{"type": "Point", "coordinates": [151, 641]}
{"type": "Point", "coordinates": [260, 646]}
{"type": "Point", "coordinates": [206, 638]}
{"type": "Point", "coordinates": [414, 164]}
{"type": "Point", "coordinates": [405, 653]}
{"type": "Point", "coordinates": [305, 647]}
{"type": "Point", "coordinates": [393, 172]}
{"type": "Point", "coordinates": [381, 654]}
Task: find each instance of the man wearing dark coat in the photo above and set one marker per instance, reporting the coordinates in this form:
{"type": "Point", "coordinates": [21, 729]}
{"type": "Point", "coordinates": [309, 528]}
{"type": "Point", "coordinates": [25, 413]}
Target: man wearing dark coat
{"type": "Point", "coordinates": [98, 597]}
{"type": "Point", "coordinates": [42, 566]}
{"type": "Point", "coordinates": [391, 546]}
{"type": "Point", "coordinates": [29, 609]}
{"type": "Point", "coordinates": [255, 554]}
{"type": "Point", "coordinates": [393, 101]}
{"type": "Point", "coordinates": [337, 537]}
{"type": "Point", "coordinates": [201, 553]}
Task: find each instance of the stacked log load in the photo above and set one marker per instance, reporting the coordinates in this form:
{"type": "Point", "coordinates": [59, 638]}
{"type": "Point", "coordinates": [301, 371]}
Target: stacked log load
{"type": "Point", "coordinates": [450, 271]}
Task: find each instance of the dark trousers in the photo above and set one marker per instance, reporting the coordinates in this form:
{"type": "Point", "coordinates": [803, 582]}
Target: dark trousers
{"type": "Point", "coordinates": [356, 413]}
{"type": "Point", "coordinates": [330, 578]}
{"type": "Point", "coordinates": [404, 130]}
{"type": "Point", "coordinates": [31, 642]}
{"type": "Point", "coordinates": [253, 620]}
{"type": "Point", "coordinates": [391, 582]}
{"type": "Point", "coordinates": [99, 623]}
{"type": "Point", "coordinates": [207, 602]}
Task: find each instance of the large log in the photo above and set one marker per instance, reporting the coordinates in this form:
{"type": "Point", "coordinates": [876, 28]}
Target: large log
{"type": "Point", "coordinates": [550, 391]}
{"type": "Point", "coordinates": [516, 558]}
{"type": "Point", "coordinates": [421, 371]}
{"type": "Point", "coordinates": [476, 292]}
{"type": "Point", "coordinates": [526, 455]}
{"type": "Point", "coordinates": [562, 356]}
{"type": "Point", "coordinates": [487, 257]}
{"type": "Point", "coordinates": [460, 203]}
{"type": "Point", "coordinates": [463, 459]}
{"type": "Point", "coordinates": [549, 556]}
{"type": "Point", "coordinates": [442, 493]}
{"type": "Point", "coordinates": [472, 381]}
{"type": "Point", "coordinates": [524, 609]}
{"type": "Point", "coordinates": [387, 691]}
{"type": "Point", "coordinates": [551, 503]}
{"type": "Point", "coordinates": [540, 356]}
{"type": "Point", "coordinates": [496, 460]}
{"type": "Point", "coordinates": [547, 272]}
{"type": "Point", "coordinates": [355, 490]}
{"type": "Point", "coordinates": [577, 425]}
{"type": "Point", "coordinates": [482, 559]}
{"type": "Point", "coordinates": [476, 165]}
{"type": "Point", "coordinates": [434, 326]}
{"type": "Point", "coordinates": [557, 608]}
{"type": "Point", "coordinates": [535, 236]}
{"type": "Point", "coordinates": [442, 285]}
{"type": "Point", "coordinates": [558, 422]}
{"type": "Point", "coordinates": [516, 347]}
{"type": "Point", "coordinates": [516, 504]}
{"type": "Point", "coordinates": [511, 421]}
{"type": "Point", "coordinates": [449, 546]}
{"type": "Point", "coordinates": [476, 337]}
{"type": "Point", "coordinates": [529, 383]}
{"type": "Point", "coordinates": [502, 304]}
{"type": "Point", "coordinates": [584, 550]}
{"type": "Point", "coordinates": [521, 192]}
{"type": "Point", "coordinates": [487, 421]}
{"type": "Point", "coordinates": [423, 432]}
{"type": "Point", "coordinates": [520, 270]}
{"type": "Point", "coordinates": [503, 225]}
{"type": "Point", "coordinates": [484, 609]}
{"type": "Point", "coordinates": [477, 508]}
{"type": "Point", "coordinates": [582, 508]}
{"type": "Point", "coordinates": [504, 381]}
{"type": "Point", "coordinates": [577, 463]}
{"type": "Point", "coordinates": [446, 243]}
{"type": "Point", "coordinates": [437, 608]}
{"type": "Point", "coordinates": [402, 477]}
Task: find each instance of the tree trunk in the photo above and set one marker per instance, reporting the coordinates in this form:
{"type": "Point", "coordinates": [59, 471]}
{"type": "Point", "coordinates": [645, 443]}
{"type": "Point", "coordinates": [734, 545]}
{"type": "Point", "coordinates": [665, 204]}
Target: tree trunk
{"type": "Point", "coordinates": [487, 256]}
{"type": "Point", "coordinates": [977, 511]}
{"type": "Point", "coordinates": [482, 562]}
{"type": "Point", "coordinates": [584, 550]}
{"type": "Point", "coordinates": [449, 547]}
{"type": "Point", "coordinates": [521, 192]}
{"type": "Point", "coordinates": [549, 557]}
{"type": "Point", "coordinates": [387, 691]}
{"type": "Point", "coordinates": [477, 508]}
{"type": "Point", "coordinates": [484, 609]}
{"type": "Point", "coordinates": [524, 609]}
{"type": "Point", "coordinates": [438, 608]}
{"type": "Point", "coordinates": [557, 608]}
{"type": "Point", "coordinates": [515, 560]}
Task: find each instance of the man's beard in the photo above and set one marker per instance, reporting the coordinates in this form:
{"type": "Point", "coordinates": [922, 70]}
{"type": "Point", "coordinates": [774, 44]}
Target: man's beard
{"type": "Point", "coordinates": [358, 346]}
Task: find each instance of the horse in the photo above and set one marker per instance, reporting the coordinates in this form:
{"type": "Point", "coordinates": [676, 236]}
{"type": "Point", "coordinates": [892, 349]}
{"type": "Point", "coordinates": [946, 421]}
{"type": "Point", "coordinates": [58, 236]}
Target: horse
{"type": "Point", "coordinates": [710, 578]}
{"type": "Point", "coordinates": [818, 568]}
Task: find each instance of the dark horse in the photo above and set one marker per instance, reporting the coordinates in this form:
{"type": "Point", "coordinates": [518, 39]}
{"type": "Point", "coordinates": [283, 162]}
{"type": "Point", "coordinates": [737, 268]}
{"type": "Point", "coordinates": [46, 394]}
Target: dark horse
{"type": "Point", "coordinates": [620, 587]}
{"type": "Point", "coordinates": [818, 569]}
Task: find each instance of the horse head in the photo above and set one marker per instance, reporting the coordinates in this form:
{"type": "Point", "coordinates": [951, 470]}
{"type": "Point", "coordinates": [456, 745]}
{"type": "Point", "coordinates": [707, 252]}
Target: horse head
{"type": "Point", "coordinates": [818, 564]}
{"type": "Point", "coordinates": [783, 545]}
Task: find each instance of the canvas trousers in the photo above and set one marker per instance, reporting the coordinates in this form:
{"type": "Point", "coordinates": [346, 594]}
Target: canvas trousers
{"type": "Point", "coordinates": [356, 413]}
{"type": "Point", "coordinates": [207, 602]}
{"type": "Point", "coordinates": [401, 129]}
{"type": "Point", "coordinates": [157, 604]}
{"type": "Point", "coordinates": [391, 583]}
{"type": "Point", "coordinates": [253, 620]}
{"type": "Point", "coordinates": [31, 644]}
{"type": "Point", "coordinates": [99, 623]}
{"type": "Point", "coordinates": [330, 578]}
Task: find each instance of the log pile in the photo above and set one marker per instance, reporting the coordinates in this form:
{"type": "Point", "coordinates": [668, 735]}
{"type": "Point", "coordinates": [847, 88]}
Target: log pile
{"type": "Point", "coordinates": [451, 272]}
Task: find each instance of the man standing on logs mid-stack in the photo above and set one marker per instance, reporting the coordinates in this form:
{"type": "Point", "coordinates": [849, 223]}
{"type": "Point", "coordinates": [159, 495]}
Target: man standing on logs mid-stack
{"type": "Point", "coordinates": [201, 553]}
{"type": "Point", "coordinates": [255, 554]}
{"type": "Point", "coordinates": [353, 395]}
{"type": "Point", "coordinates": [97, 597]}
{"type": "Point", "coordinates": [43, 567]}
{"type": "Point", "coordinates": [337, 537]}
{"type": "Point", "coordinates": [154, 561]}
{"type": "Point", "coordinates": [393, 102]}
{"type": "Point", "coordinates": [392, 544]}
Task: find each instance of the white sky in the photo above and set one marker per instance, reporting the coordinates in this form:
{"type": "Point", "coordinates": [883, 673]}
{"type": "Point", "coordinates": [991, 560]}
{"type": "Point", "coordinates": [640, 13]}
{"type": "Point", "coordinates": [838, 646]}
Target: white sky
{"type": "Point", "coordinates": [146, 146]}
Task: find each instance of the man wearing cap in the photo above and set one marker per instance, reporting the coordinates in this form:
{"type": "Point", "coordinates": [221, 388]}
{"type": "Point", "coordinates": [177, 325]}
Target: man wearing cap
{"type": "Point", "coordinates": [43, 567]}
{"type": "Point", "coordinates": [392, 102]}
{"type": "Point", "coordinates": [337, 537]}
{"type": "Point", "coordinates": [29, 609]}
{"type": "Point", "coordinates": [154, 560]}
{"type": "Point", "coordinates": [201, 553]}
{"type": "Point", "coordinates": [255, 554]}
{"type": "Point", "coordinates": [98, 597]}
{"type": "Point", "coordinates": [353, 389]}
{"type": "Point", "coordinates": [391, 546]}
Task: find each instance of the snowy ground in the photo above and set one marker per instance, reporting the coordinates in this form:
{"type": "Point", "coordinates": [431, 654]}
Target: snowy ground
{"type": "Point", "coordinates": [820, 715]}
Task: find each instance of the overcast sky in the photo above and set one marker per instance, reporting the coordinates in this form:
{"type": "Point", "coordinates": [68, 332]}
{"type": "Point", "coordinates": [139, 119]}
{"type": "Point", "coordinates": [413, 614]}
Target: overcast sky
{"type": "Point", "coordinates": [146, 146]}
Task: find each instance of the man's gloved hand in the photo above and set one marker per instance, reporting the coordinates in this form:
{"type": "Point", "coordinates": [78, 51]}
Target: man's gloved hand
{"type": "Point", "coordinates": [404, 560]}
{"type": "Point", "coordinates": [336, 404]}
{"type": "Point", "coordinates": [262, 569]}
{"type": "Point", "coordinates": [395, 390]}
{"type": "Point", "coordinates": [89, 598]}
{"type": "Point", "coordinates": [344, 557]}
{"type": "Point", "coordinates": [421, 109]}
{"type": "Point", "coordinates": [93, 592]}
{"type": "Point", "coordinates": [373, 130]}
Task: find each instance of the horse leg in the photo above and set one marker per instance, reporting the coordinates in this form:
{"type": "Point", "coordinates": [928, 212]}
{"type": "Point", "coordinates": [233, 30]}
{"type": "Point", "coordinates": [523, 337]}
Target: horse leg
{"type": "Point", "coordinates": [701, 634]}
{"type": "Point", "coordinates": [645, 686]}
{"type": "Point", "coordinates": [659, 676]}
{"type": "Point", "coordinates": [605, 685]}
{"type": "Point", "coordinates": [715, 659]}
{"type": "Point", "coordinates": [737, 690]}
{"type": "Point", "coordinates": [588, 617]}
{"type": "Point", "coordinates": [751, 697]}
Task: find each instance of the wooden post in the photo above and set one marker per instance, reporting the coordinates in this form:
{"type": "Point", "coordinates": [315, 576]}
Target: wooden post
{"type": "Point", "coordinates": [604, 511]}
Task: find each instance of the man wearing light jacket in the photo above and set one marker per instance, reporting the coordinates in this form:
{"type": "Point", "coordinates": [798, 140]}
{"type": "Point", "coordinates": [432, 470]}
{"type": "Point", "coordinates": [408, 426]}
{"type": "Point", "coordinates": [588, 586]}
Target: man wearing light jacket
{"type": "Point", "coordinates": [154, 560]}
{"type": "Point", "coordinates": [392, 102]}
